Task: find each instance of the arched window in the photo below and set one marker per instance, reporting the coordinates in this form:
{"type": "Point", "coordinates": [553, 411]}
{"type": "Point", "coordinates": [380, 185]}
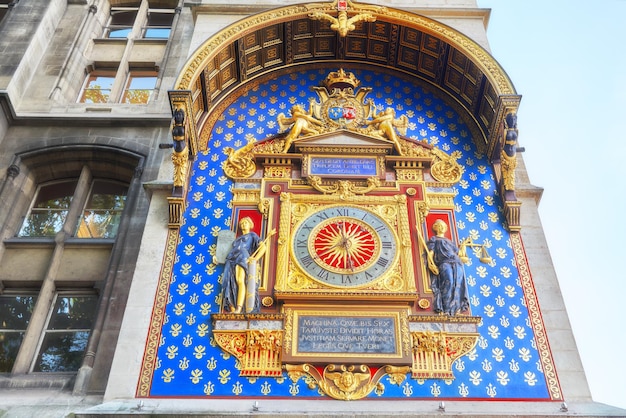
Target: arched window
{"type": "Point", "coordinates": [56, 255]}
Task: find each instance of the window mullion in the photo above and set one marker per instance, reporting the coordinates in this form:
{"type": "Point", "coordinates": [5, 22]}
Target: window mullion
{"type": "Point", "coordinates": [26, 356]}
{"type": "Point", "coordinates": [123, 69]}
{"type": "Point", "coordinates": [78, 202]}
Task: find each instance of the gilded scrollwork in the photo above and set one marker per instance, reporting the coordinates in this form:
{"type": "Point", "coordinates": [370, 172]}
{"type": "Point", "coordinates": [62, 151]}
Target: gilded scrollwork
{"type": "Point", "coordinates": [343, 188]}
{"type": "Point", "coordinates": [347, 382]}
{"type": "Point", "coordinates": [445, 168]}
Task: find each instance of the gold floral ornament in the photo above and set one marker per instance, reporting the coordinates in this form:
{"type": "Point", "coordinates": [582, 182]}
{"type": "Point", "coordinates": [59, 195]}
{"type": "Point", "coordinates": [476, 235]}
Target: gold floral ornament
{"type": "Point", "coordinates": [240, 163]}
{"type": "Point", "coordinates": [434, 353]}
{"type": "Point", "coordinates": [347, 382]}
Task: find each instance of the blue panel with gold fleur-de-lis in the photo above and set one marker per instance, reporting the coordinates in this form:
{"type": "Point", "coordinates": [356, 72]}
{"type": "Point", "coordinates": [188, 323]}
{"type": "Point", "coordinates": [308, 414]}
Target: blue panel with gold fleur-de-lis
{"type": "Point", "coordinates": [505, 364]}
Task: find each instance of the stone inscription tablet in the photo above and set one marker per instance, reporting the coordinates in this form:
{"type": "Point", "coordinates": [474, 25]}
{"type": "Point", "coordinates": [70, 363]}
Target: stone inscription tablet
{"type": "Point", "coordinates": [353, 335]}
{"type": "Point", "coordinates": [338, 166]}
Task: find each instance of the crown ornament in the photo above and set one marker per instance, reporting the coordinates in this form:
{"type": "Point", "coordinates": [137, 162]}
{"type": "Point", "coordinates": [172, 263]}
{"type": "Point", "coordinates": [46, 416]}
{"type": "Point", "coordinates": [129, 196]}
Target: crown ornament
{"type": "Point", "coordinates": [341, 80]}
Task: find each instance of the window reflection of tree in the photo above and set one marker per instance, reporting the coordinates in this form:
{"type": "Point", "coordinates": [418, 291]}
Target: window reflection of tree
{"type": "Point", "coordinates": [15, 313]}
{"type": "Point", "coordinates": [67, 334]}
{"type": "Point", "coordinates": [49, 210]}
{"type": "Point", "coordinates": [103, 210]}
{"type": "Point", "coordinates": [101, 214]}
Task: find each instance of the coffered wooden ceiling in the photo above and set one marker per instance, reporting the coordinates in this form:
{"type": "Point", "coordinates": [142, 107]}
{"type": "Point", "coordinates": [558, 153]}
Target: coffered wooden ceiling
{"type": "Point", "coordinates": [409, 43]}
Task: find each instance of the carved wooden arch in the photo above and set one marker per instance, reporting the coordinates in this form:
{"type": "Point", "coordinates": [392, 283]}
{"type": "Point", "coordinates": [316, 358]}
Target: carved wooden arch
{"type": "Point", "coordinates": [443, 57]}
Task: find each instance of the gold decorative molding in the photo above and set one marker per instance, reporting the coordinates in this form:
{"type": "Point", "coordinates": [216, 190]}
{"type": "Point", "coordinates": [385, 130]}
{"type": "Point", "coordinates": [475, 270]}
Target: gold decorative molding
{"type": "Point", "coordinates": [258, 351]}
{"type": "Point", "coordinates": [148, 363]}
{"type": "Point", "coordinates": [347, 382]}
{"type": "Point", "coordinates": [508, 165]}
{"type": "Point", "coordinates": [342, 24]}
{"type": "Point", "coordinates": [536, 321]}
{"type": "Point", "coordinates": [512, 210]}
{"type": "Point", "coordinates": [176, 209]}
{"type": "Point", "coordinates": [198, 61]}
{"type": "Point", "coordinates": [434, 353]}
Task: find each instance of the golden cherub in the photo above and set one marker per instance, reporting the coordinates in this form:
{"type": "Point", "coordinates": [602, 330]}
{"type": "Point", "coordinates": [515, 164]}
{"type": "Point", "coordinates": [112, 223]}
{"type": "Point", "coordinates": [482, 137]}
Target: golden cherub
{"type": "Point", "coordinates": [301, 122]}
{"type": "Point", "coordinates": [385, 123]}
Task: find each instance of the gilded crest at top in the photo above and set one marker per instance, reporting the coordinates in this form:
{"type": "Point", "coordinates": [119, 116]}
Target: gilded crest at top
{"type": "Point", "coordinates": [339, 107]}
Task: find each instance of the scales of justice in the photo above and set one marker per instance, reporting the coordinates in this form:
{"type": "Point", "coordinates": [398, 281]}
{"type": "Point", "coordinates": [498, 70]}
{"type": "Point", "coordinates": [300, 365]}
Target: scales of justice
{"type": "Point", "coordinates": [346, 266]}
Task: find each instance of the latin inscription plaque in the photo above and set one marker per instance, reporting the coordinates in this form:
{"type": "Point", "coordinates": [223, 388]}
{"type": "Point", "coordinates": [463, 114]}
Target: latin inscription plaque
{"type": "Point", "coordinates": [343, 166]}
{"type": "Point", "coordinates": [348, 335]}
{"type": "Point", "coordinates": [318, 334]}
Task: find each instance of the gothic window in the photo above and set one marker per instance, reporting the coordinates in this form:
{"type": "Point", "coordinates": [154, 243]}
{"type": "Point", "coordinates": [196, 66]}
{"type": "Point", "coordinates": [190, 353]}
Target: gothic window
{"type": "Point", "coordinates": [100, 217]}
{"type": "Point", "coordinates": [67, 332]}
{"type": "Point", "coordinates": [139, 34]}
{"type": "Point", "coordinates": [139, 87]}
{"type": "Point", "coordinates": [69, 207]}
{"type": "Point", "coordinates": [15, 313]}
{"type": "Point", "coordinates": [97, 88]}
{"type": "Point", "coordinates": [120, 23]}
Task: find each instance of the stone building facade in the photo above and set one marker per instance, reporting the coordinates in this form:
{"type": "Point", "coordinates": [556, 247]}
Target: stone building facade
{"type": "Point", "coordinates": [96, 209]}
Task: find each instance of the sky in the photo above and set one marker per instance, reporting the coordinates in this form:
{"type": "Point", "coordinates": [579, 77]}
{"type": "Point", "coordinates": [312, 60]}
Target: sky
{"type": "Point", "coordinates": [566, 58]}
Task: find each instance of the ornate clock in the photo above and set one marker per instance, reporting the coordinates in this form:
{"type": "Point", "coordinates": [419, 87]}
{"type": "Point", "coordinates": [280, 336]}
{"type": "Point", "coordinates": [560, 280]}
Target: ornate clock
{"type": "Point", "coordinates": [344, 246]}
{"type": "Point", "coordinates": [350, 246]}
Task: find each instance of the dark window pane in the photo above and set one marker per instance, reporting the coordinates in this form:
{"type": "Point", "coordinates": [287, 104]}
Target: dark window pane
{"type": "Point", "coordinates": [56, 196]}
{"type": "Point", "coordinates": [73, 312]}
{"type": "Point", "coordinates": [160, 19]}
{"type": "Point", "coordinates": [123, 17]}
{"type": "Point", "coordinates": [9, 346]}
{"type": "Point", "coordinates": [15, 312]}
{"type": "Point", "coordinates": [62, 351]}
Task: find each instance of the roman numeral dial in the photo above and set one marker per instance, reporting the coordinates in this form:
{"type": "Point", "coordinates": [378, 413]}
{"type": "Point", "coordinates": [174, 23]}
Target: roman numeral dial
{"type": "Point", "coordinates": [344, 246]}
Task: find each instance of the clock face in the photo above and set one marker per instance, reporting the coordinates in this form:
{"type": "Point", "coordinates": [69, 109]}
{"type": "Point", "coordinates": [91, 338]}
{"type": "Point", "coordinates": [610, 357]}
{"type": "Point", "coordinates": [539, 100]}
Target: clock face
{"type": "Point", "coordinates": [344, 246]}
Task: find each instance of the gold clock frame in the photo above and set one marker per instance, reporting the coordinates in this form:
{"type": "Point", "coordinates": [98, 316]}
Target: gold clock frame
{"type": "Point", "coordinates": [292, 283]}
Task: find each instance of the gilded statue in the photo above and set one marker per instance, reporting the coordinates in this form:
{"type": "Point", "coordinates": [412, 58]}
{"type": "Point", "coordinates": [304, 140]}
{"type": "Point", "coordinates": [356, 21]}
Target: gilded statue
{"type": "Point", "coordinates": [302, 123]}
{"type": "Point", "coordinates": [180, 155]}
{"type": "Point", "coordinates": [240, 270]}
{"type": "Point", "coordinates": [447, 275]}
{"type": "Point", "coordinates": [240, 163]}
{"type": "Point", "coordinates": [508, 159]}
{"type": "Point", "coordinates": [385, 124]}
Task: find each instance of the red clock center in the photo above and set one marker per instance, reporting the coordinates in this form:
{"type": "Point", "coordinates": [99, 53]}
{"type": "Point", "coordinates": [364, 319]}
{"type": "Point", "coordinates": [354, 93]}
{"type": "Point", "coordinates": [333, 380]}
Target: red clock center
{"type": "Point", "coordinates": [345, 245]}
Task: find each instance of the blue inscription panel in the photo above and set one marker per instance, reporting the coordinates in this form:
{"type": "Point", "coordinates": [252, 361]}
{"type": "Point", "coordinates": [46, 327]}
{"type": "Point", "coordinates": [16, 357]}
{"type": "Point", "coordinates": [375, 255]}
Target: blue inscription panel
{"type": "Point", "coordinates": [337, 166]}
{"type": "Point", "coordinates": [353, 335]}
